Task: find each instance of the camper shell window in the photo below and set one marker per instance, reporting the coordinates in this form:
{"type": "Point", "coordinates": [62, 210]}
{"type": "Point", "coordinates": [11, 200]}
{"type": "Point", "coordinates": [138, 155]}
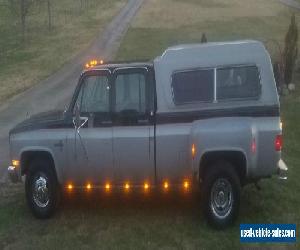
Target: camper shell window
{"type": "Point", "coordinates": [193, 86]}
{"type": "Point", "coordinates": [241, 82]}
{"type": "Point", "coordinates": [218, 84]}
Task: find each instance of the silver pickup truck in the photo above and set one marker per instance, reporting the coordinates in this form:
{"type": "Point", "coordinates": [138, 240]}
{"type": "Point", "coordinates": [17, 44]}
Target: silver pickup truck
{"type": "Point", "coordinates": [204, 116]}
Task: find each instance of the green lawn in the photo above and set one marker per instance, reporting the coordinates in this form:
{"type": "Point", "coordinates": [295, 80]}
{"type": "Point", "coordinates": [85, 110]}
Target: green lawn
{"type": "Point", "coordinates": [162, 24]}
{"type": "Point", "coordinates": [169, 221]}
{"type": "Point", "coordinates": [23, 64]}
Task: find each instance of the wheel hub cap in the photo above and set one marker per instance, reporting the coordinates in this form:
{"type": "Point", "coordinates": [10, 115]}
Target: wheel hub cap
{"type": "Point", "coordinates": [40, 191]}
{"type": "Point", "coordinates": [221, 198]}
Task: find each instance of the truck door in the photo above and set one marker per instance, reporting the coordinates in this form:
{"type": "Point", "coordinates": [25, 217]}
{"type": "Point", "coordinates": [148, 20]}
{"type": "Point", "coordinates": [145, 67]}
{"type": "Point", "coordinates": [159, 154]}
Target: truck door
{"type": "Point", "coordinates": [90, 146]}
{"type": "Point", "coordinates": [133, 125]}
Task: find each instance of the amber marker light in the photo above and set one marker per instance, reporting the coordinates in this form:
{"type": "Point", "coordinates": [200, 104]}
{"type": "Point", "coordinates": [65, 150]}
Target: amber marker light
{"type": "Point", "coordinates": [88, 186]}
{"type": "Point", "coordinates": [70, 187]}
{"type": "Point", "coordinates": [127, 186]}
{"type": "Point", "coordinates": [146, 186]}
{"type": "Point", "coordinates": [193, 150]}
{"type": "Point", "coordinates": [186, 185]}
{"type": "Point", "coordinates": [15, 163]}
{"type": "Point", "coordinates": [107, 186]}
{"type": "Point", "coordinates": [166, 185]}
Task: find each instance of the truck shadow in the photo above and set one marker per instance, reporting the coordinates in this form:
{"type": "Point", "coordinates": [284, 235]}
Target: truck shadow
{"type": "Point", "coordinates": [154, 204]}
{"type": "Point", "coordinates": [144, 204]}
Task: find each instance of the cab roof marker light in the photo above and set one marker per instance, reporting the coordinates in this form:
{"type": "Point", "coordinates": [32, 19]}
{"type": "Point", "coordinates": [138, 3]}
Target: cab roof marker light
{"type": "Point", "coordinates": [93, 63]}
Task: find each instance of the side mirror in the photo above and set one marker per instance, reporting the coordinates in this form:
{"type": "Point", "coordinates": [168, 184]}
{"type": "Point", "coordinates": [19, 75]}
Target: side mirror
{"type": "Point", "coordinates": [76, 116]}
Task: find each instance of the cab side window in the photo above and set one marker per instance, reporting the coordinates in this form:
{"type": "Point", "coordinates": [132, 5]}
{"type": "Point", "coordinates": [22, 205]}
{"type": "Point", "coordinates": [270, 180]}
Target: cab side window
{"type": "Point", "coordinates": [130, 93]}
{"type": "Point", "coordinates": [94, 95]}
{"type": "Point", "coordinates": [131, 99]}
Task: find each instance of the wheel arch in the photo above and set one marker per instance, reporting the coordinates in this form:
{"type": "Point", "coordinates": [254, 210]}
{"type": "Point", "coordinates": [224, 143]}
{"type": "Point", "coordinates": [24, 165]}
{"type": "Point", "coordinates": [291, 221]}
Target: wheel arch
{"type": "Point", "coordinates": [236, 157]}
{"type": "Point", "coordinates": [28, 155]}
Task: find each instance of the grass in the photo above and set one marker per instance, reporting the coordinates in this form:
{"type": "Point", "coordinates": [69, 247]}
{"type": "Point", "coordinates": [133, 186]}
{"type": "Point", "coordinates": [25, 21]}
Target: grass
{"type": "Point", "coordinates": [162, 24]}
{"type": "Point", "coordinates": [23, 64]}
{"type": "Point", "coordinates": [172, 221]}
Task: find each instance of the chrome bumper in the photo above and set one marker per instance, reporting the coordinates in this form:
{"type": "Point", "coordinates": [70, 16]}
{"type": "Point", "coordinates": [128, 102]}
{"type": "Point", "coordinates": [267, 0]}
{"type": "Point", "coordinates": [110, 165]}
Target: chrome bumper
{"type": "Point", "coordinates": [13, 174]}
{"type": "Point", "coordinates": [282, 170]}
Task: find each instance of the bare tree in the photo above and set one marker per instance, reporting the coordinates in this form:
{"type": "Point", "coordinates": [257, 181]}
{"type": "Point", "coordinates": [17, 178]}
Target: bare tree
{"type": "Point", "coordinates": [20, 8]}
{"type": "Point", "coordinates": [49, 14]}
{"type": "Point", "coordinates": [290, 50]}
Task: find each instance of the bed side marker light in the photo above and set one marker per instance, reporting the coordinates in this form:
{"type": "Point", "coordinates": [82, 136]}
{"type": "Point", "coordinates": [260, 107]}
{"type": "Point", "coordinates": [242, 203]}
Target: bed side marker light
{"type": "Point", "coordinates": [193, 150]}
{"type": "Point", "coordinates": [253, 146]}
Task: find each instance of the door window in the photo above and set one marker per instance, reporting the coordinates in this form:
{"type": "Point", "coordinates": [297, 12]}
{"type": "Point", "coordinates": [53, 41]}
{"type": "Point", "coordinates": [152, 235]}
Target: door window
{"type": "Point", "coordinates": [94, 94]}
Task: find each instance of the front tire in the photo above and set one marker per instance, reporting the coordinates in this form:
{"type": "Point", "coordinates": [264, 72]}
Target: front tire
{"type": "Point", "coordinates": [221, 194]}
{"type": "Point", "coordinates": [41, 188]}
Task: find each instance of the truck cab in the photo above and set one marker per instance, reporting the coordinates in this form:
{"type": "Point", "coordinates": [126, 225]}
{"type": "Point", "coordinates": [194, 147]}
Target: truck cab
{"type": "Point", "coordinates": [115, 126]}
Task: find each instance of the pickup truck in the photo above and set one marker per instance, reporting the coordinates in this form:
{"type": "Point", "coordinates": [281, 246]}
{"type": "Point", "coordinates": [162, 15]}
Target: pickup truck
{"type": "Point", "coordinates": [205, 116]}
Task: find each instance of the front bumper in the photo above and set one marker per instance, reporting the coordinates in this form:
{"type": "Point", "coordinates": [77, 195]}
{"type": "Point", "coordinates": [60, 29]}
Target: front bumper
{"type": "Point", "coordinates": [13, 174]}
{"type": "Point", "coordinates": [282, 170]}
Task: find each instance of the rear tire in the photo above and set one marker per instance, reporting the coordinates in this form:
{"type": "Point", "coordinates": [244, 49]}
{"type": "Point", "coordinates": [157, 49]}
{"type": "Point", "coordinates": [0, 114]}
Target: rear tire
{"type": "Point", "coordinates": [221, 194]}
{"type": "Point", "coordinates": [41, 188]}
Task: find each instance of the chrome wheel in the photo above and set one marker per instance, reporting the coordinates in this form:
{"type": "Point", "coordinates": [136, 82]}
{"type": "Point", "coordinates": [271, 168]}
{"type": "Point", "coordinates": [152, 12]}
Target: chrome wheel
{"type": "Point", "coordinates": [40, 191]}
{"type": "Point", "coordinates": [221, 198]}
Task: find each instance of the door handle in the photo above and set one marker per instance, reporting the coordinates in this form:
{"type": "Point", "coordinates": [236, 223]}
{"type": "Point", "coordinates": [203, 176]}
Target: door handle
{"type": "Point", "coordinates": [145, 122]}
{"type": "Point", "coordinates": [106, 122]}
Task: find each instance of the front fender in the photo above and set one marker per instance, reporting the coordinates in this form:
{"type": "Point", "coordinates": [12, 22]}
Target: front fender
{"type": "Point", "coordinates": [38, 150]}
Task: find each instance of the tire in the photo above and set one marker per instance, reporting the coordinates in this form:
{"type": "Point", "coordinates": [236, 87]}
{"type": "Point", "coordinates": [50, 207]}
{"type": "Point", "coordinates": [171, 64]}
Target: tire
{"type": "Point", "coordinates": [41, 188]}
{"type": "Point", "coordinates": [221, 194]}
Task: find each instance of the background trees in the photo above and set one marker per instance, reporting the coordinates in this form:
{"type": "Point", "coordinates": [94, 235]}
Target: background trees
{"type": "Point", "coordinates": [290, 51]}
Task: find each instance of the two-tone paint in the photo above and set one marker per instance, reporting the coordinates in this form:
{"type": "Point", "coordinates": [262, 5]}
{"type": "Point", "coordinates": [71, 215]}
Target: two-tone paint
{"type": "Point", "coordinates": [160, 147]}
